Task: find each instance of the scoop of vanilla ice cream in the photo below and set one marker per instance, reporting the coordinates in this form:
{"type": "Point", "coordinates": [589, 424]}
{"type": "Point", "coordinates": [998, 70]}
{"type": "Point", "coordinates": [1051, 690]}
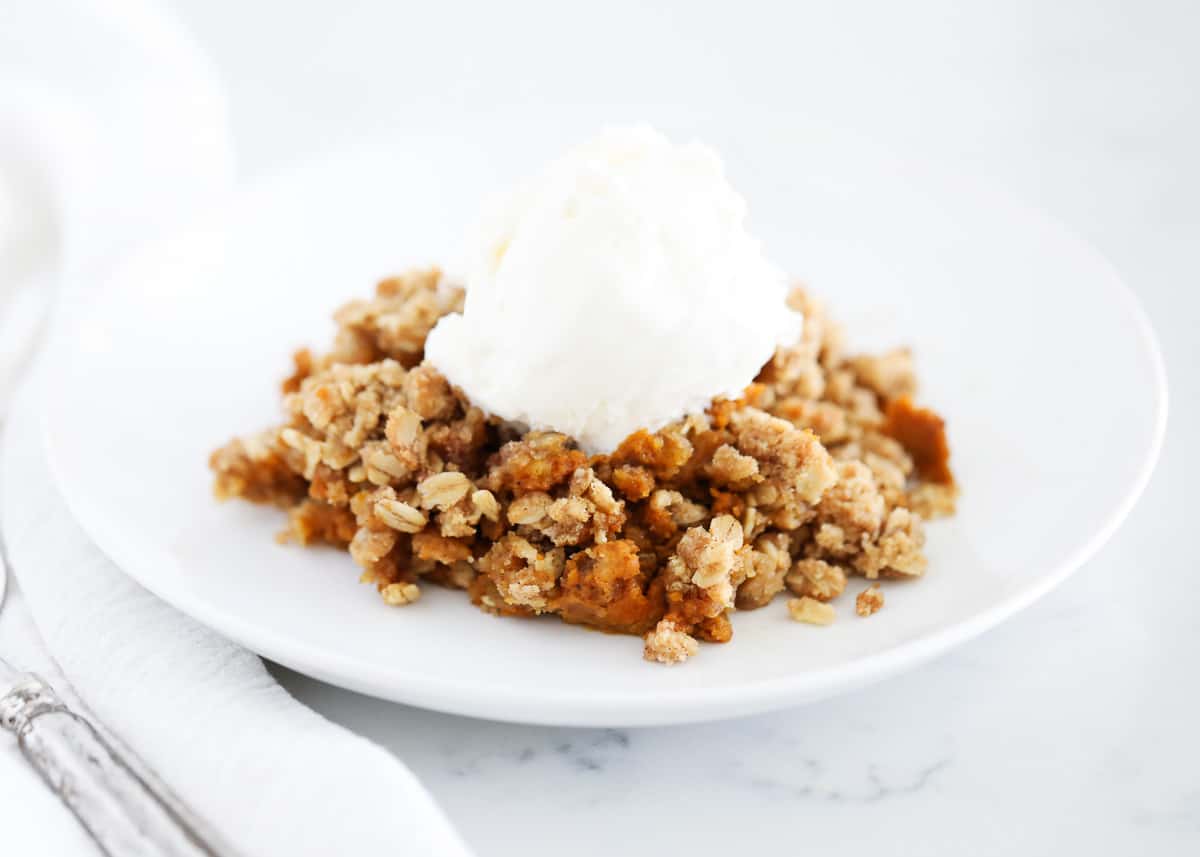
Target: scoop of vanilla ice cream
{"type": "Point", "coordinates": [617, 290]}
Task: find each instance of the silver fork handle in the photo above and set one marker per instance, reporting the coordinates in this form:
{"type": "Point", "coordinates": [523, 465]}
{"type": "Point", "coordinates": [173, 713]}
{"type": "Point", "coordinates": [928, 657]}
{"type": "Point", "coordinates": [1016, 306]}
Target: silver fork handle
{"type": "Point", "coordinates": [123, 814]}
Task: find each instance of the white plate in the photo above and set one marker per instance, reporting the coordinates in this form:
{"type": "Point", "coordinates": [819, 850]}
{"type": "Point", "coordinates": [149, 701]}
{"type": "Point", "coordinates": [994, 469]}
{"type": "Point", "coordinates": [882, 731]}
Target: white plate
{"type": "Point", "coordinates": [1041, 359]}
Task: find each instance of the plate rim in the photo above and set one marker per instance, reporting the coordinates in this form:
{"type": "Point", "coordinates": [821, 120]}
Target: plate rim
{"type": "Point", "coordinates": [622, 708]}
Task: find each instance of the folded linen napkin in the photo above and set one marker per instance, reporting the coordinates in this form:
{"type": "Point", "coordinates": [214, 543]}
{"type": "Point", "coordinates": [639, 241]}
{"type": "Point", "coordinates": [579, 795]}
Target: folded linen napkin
{"type": "Point", "coordinates": [115, 126]}
{"type": "Point", "coordinates": [272, 776]}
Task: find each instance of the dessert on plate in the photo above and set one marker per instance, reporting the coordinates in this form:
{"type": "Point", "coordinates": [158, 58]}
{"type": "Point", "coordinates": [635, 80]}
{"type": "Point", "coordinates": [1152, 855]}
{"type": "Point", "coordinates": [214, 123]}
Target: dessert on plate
{"type": "Point", "coordinates": [623, 415]}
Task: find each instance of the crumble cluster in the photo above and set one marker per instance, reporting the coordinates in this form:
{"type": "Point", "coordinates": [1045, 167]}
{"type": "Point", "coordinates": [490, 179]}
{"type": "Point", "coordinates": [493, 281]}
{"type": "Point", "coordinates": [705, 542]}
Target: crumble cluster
{"type": "Point", "coordinates": [824, 470]}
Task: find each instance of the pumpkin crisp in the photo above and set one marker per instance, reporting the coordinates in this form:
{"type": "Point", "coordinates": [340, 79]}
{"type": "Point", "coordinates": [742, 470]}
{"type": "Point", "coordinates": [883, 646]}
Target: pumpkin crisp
{"type": "Point", "coordinates": [824, 470]}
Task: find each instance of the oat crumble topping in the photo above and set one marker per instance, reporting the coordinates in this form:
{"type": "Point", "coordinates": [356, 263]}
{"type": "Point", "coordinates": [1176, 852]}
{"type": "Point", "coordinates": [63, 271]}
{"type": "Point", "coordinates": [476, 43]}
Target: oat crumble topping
{"type": "Point", "coordinates": [811, 611]}
{"type": "Point", "coordinates": [824, 470]}
{"type": "Point", "coordinates": [869, 601]}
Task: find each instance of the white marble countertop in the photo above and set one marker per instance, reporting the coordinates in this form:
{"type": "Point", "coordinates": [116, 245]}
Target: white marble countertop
{"type": "Point", "coordinates": [1071, 727]}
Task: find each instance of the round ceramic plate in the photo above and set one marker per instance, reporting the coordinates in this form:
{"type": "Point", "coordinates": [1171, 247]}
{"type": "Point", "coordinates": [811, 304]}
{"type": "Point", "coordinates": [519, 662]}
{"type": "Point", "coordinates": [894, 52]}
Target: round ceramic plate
{"type": "Point", "coordinates": [1041, 360]}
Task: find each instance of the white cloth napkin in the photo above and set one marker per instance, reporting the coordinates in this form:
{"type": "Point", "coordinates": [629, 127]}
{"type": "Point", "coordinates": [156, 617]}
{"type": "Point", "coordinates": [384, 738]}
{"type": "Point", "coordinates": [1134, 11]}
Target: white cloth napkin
{"type": "Point", "coordinates": [272, 776]}
{"type": "Point", "coordinates": [115, 127]}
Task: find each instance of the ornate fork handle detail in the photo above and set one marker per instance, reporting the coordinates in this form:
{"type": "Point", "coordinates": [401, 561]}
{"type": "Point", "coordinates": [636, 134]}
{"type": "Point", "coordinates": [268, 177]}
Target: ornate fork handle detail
{"type": "Point", "coordinates": [125, 816]}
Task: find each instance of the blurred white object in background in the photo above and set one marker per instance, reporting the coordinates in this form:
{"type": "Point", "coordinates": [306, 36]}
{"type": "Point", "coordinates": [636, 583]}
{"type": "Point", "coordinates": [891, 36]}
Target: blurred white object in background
{"type": "Point", "coordinates": [96, 153]}
{"type": "Point", "coordinates": [29, 249]}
